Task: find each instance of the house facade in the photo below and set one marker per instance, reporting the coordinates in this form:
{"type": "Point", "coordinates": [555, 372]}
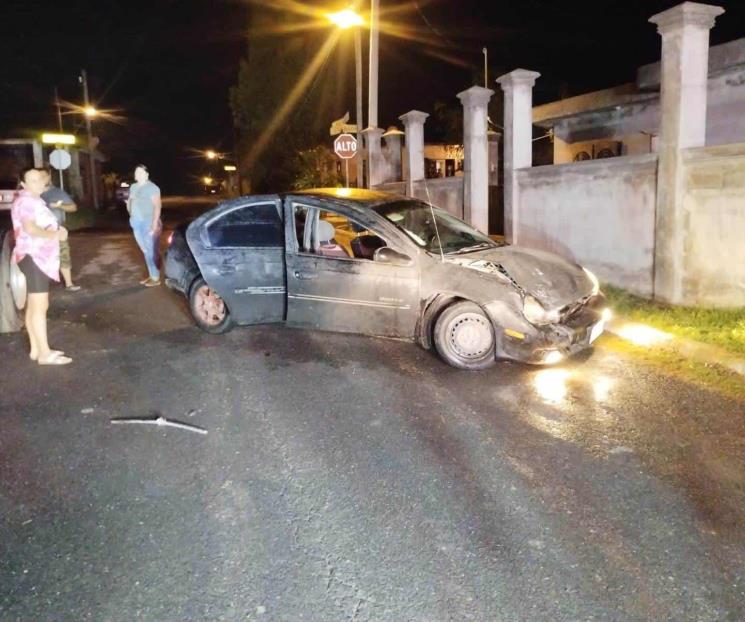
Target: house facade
{"type": "Point", "coordinates": [625, 120]}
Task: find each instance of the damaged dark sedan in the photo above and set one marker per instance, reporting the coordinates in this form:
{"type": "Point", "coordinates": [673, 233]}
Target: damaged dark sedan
{"type": "Point", "coordinates": [379, 264]}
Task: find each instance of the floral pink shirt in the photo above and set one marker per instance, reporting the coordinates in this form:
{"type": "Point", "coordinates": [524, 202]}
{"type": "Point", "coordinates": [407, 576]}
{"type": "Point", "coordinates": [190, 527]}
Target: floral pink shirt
{"type": "Point", "coordinates": [43, 251]}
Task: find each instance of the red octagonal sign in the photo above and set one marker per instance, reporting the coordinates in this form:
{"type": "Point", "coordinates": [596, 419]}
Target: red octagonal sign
{"type": "Point", "coordinates": [345, 146]}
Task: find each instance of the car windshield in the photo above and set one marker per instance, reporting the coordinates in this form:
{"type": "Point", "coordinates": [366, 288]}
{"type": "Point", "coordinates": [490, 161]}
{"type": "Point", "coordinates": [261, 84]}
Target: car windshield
{"type": "Point", "coordinates": [433, 228]}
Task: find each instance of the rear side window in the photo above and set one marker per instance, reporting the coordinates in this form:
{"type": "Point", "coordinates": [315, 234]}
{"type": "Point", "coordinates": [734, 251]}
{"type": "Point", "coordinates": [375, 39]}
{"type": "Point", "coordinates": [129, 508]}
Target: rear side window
{"type": "Point", "coordinates": [250, 226]}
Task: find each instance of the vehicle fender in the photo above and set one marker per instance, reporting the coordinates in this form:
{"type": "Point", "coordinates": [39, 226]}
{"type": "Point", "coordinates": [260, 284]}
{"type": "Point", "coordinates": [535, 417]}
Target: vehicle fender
{"type": "Point", "coordinates": [432, 307]}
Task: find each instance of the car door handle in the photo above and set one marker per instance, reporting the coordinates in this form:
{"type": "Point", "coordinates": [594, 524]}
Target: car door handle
{"type": "Point", "coordinates": [225, 270]}
{"type": "Point", "coordinates": [305, 275]}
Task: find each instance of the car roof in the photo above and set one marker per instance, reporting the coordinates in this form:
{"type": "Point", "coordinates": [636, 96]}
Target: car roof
{"type": "Point", "coordinates": [354, 197]}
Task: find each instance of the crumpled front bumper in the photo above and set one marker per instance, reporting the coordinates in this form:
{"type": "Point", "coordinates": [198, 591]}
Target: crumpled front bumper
{"type": "Point", "coordinates": [519, 340]}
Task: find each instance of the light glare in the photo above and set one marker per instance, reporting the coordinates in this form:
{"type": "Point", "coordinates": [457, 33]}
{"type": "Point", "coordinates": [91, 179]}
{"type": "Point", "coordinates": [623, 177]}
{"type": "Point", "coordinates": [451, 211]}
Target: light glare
{"type": "Point", "coordinates": [346, 19]}
{"type": "Point", "coordinates": [58, 139]}
{"type": "Point", "coordinates": [642, 335]}
{"type": "Point", "coordinates": [551, 384]}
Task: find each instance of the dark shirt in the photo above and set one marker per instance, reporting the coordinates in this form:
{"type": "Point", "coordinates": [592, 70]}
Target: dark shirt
{"type": "Point", "coordinates": [52, 195]}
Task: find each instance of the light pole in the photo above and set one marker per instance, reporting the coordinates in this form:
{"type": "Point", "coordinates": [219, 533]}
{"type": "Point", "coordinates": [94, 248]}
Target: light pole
{"type": "Point", "coordinates": [372, 94]}
{"type": "Point", "coordinates": [349, 19]}
{"type": "Point", "coordinates": [89, 112]}
{"type": "Point", "coordinates": [373, 132]}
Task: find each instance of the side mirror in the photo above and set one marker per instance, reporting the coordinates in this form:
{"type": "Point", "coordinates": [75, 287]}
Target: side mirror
{"type": "Point", "coordinates": [387, 255]}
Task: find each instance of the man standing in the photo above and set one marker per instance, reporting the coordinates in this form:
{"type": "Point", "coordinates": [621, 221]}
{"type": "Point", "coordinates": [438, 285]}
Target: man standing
{"type": "Point", "coordinates": [60, 203]}
{"type": "Point", "coordinates": [143, 206]}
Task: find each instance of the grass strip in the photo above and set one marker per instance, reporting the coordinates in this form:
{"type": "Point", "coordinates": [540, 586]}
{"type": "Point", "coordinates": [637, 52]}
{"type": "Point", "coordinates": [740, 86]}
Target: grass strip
{"type": "Point", "coordinates": [724, 328]}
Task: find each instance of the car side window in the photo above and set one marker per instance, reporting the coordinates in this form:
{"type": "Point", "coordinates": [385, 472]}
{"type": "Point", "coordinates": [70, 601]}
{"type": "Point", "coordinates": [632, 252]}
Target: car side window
{"type": "Point", "coordinates": [330, 234]}
{"type": "Point", "coordinates": [250, 226]}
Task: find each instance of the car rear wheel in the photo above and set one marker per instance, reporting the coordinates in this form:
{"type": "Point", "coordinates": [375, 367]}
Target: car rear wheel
{"type": "Point", "coordinates": [207, 308]}
{"type": "Point", "coordinates": [464, 337]}
{"type": "Point", "coordinates": [12, 288]}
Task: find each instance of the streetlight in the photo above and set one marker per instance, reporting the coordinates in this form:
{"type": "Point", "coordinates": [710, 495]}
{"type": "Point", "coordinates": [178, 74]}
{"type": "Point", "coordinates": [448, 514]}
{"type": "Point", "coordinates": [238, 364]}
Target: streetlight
{"type": "Point", "coordinates": [211, 155]}
{"type": "Point", "coordinates": [90, 112]}
{"type": "Point", "coordinates": [348, 19]}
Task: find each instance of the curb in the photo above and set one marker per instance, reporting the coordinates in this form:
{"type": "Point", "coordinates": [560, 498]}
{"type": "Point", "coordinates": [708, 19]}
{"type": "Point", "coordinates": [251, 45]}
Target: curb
{"type": "Point", "coordinates": [695, 350]}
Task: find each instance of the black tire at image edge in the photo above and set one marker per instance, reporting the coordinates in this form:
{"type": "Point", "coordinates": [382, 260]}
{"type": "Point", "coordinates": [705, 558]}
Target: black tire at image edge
{"type": "Point", "coordinates": [10, 319]}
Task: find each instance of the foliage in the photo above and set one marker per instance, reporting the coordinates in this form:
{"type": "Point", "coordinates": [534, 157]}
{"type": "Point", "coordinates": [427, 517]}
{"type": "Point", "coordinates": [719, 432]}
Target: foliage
{"type": "Point", "coordinates": [720, 327]}
{"type": "Point", "coordinates": [316, 168]}
{"type": "Point", "coordinates": [273, 66]}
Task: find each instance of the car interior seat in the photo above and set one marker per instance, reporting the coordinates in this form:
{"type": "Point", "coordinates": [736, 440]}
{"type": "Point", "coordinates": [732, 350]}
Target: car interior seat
{"type": "Point", "coordinates": [364, 246]}
{"type": "Point", "coordinates": [326, 244]}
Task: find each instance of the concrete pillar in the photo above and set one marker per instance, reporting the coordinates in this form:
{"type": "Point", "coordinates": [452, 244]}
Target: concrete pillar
{"type": "Point", "coordinates": [476, 156]}
{"type": "Point", "coordinates": [393, 153]}
{"type": "Point", "coordinates": [375, 161]}
{"type": "Point", "coordinates": [38, 152]}
{"type": "Point", "coordinates": [414, 124]}
{"type": "Point", "coordinates": [685, 62]}
{"type": "Point", "coordinates": [494, 157]}
{"type": "Point", "coordinates": [518, 141]}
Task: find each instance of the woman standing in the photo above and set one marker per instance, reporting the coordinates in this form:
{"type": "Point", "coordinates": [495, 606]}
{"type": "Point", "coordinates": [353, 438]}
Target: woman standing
{"type": "Point", "coordinates": [36, 252]}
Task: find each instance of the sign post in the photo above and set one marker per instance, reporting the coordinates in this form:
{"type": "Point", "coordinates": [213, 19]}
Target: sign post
{"type": "Point", "coordinates": [59, 158]}
{"type": "Point", "coordinates": [345, 146]}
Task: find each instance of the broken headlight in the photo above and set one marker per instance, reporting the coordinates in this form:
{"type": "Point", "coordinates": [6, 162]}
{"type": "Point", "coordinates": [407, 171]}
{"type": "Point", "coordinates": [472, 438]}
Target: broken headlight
{"type": "Point", "coordinates": [536, 314]}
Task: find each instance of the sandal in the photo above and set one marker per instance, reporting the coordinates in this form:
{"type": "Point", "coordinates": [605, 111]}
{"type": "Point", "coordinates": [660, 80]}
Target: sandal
{"type": "Point", "coordinates": [52, 352]}
{"type": "Point", "coordinates": [55, 359]}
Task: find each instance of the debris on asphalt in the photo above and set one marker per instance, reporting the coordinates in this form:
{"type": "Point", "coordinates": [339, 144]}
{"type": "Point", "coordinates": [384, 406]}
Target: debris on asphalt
{"type": "Point", "coordinates": [87, 411]}
{"type": "Point", "coordinates": [161, 421]}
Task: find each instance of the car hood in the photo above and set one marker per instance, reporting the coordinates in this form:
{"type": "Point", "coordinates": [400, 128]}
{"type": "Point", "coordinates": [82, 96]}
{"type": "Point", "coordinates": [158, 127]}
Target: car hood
{"type": "Point", "coordinates": [550, 279]}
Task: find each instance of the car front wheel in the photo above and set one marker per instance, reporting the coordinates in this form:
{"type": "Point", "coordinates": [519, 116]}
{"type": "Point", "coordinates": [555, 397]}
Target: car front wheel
{"type": "Point", "coordinates": [464, 337]}
{"type": "Point", "coordinates": [208, 309]}
{"type": "Point", "coordinates": [12, 288]}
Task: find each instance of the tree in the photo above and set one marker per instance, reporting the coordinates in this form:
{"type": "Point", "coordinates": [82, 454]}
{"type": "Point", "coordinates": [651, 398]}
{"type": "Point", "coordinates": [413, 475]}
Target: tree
{"type": "Point", "coordinates": [280, 102]}
{"type": "Point", "coordinates": [316, 168]}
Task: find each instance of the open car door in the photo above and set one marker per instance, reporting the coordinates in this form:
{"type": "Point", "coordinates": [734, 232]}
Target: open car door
{"type": "Point", "coordinates": [240, 249]}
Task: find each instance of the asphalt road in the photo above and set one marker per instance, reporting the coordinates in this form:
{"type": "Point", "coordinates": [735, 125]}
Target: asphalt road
{"type": "Point", "coordinates": [350, 478]}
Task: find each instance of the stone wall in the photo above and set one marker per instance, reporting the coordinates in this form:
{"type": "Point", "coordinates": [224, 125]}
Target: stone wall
{"type": "Point", "coordinates": [599, 213]}
{"type": "Point", "coordinates": [446, 192]}
{"type": "Point", "coordinates": [714, 226]}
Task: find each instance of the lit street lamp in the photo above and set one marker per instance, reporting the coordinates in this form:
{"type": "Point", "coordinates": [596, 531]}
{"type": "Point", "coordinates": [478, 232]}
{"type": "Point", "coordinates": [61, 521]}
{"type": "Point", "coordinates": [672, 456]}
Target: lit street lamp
{"type": "Point", "coordinates": [348, 19]}
{"type": "Point", "coordinates": [211, 155]}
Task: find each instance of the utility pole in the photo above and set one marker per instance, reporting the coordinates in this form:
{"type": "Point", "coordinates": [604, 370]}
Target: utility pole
{"type": "Point", "coordinates": [358, 79]}
{"type": "Point", "coordinates": [91, 148]}
{"type": "Point", "coordinates": [59, 110]}
{"type": "Point", "coordinates": [61, 131]}
{"type": "Point", "coordinates": [486, 58]}
{"type": "Point", "coordinates": [372, 115]}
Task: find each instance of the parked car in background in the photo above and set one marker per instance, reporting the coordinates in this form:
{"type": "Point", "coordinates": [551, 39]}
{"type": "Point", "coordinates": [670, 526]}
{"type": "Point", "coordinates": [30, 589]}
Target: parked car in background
{"type": "Point", "coordinates": [379, 264]}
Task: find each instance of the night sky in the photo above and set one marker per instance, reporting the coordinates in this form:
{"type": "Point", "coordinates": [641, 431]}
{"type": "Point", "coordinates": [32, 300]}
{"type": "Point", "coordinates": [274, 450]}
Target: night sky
{"type": "Point", "coordinates": [168, 65]}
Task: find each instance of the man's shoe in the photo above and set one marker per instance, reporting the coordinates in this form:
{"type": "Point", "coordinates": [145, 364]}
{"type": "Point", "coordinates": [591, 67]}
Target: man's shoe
{"type": "Point", "coordinates": [152, 283]}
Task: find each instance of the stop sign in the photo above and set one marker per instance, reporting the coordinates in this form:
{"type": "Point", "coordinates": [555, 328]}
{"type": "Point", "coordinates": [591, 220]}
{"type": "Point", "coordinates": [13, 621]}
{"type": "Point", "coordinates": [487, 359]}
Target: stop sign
{"type": "Point", "coordinates": [345, 146]}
